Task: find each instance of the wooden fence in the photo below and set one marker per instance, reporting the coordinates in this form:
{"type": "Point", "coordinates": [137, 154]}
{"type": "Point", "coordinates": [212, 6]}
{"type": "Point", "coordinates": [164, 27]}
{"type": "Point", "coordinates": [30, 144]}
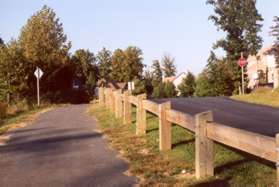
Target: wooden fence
{"type": "Point", "coordinates": [202, 125]}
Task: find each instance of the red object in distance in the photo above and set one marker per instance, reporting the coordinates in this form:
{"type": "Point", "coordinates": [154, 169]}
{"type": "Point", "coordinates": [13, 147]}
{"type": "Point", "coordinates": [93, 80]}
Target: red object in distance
{"type": "Point", "coordinates": [242, 62]}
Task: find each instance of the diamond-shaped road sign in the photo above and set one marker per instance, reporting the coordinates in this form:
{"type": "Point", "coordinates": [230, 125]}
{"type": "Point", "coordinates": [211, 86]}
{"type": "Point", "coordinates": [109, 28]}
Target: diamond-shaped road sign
{"type": "Point", "coordinates": [38, 73]}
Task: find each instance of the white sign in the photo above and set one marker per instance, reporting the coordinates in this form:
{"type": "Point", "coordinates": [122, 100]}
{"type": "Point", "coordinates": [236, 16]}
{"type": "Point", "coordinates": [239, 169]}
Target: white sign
{"type": "Point", "coordinates": [38, 73]}
{"type": "Point", "coordinates": [131, 86]}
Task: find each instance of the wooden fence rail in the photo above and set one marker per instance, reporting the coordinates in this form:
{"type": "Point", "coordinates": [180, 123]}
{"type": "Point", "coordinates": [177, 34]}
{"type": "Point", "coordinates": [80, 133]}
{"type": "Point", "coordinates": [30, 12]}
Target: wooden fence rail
{"type": "Point", "coordinates": [202, 125]}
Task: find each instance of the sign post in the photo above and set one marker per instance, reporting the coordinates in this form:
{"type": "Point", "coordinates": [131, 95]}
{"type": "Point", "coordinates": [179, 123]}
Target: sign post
{"type": "Point", "coordinates": [242, 63]}
{"type": "Point", "coordinates": [38, 73]}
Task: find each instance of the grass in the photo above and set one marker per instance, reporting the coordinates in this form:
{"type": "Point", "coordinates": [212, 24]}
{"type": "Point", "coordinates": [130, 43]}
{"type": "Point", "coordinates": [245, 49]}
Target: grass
{"type": "Point", "coordinates": [262, 96]}
{"type": "Point", "coordinates": [20, 118]}
{"type": "Point", "coordinates": [232, 168]}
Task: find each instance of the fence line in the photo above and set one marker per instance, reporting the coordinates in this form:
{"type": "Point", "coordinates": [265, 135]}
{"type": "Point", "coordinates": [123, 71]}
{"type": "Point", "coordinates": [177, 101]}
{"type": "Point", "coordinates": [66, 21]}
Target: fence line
{"type": "Point", "coordinates": [202, 125]}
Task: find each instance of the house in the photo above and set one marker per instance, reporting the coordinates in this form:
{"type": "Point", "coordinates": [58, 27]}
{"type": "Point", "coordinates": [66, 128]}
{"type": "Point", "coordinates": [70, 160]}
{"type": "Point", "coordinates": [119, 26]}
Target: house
{"type": "Point", "coordinates": [262, 69]}
{"type": "Point", "coordinates": [176, 80]}
{"type": "Point", "coordinates": [112, 84]}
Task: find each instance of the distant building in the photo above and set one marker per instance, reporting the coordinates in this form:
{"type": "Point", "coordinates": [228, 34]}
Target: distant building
{"type": "Point", "coordinates": [112, 84]}
{"type": "Point", "coordinates": [262, 69]}
{"type": "Point", "coordinates": [176, 80]}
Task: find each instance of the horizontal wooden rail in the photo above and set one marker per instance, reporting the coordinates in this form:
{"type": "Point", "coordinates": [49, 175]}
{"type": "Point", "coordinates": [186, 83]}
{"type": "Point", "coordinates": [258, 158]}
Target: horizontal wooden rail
{"type": "Point", "coordinates": [133, 100]}
{"type": "Point", "coordinates": [255, 144]}
{"type": "Point", "coordinates": [151, 106]}
{"type": "Point", "coordinates": [181, 119]}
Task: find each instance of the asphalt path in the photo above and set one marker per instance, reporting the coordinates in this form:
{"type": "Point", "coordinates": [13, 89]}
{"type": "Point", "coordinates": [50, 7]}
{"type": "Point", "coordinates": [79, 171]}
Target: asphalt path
{"type": "Point", "coordinates": [255, 118]}
{"type": "Point", "coordinates": [61, 149]}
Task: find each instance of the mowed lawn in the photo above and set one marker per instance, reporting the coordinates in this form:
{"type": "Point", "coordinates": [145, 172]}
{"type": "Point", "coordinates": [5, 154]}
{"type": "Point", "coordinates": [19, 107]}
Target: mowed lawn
{"type": "Point", "coordinates": [232, 167]}
{"type": "Point", "coordinates": [261, 96]}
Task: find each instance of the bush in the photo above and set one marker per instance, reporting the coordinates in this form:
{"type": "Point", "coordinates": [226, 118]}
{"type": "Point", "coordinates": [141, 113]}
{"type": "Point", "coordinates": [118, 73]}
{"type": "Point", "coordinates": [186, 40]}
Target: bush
{"type": "Point", "coordinates": [164, 90]}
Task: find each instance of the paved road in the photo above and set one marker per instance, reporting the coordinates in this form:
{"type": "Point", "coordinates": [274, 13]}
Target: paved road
{"type": "Point", "coordinates": [60, 149]}
{"type": "Point", "coordinates": [255, 118]}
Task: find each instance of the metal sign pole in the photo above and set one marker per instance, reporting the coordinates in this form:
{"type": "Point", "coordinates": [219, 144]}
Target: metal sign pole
{"type": "Point", "coordinates": [38, 88]}
{"type": "Point", "coordinates": [242, 72]}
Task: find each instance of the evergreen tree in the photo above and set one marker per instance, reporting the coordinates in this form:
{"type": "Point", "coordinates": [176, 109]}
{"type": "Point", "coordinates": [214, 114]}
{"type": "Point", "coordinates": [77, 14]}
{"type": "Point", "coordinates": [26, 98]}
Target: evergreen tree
{"type": "Point", "coordinates": [203, 87]}
{"type": "Point", "coordinates": [187, 86]}
{"type": "Point", "coordinates": [104, 63]}
{"type": "Point", "coordinates": [169, 68]}
{"type": "Point", "coordinates": [157, 72]}
{"type": "Point", "coordinates": [239, 19]}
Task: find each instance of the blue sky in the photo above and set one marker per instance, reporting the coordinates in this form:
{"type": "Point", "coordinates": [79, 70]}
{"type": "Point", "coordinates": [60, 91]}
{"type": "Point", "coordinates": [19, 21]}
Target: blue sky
{"type": "Point", "coordinates": [178, 27]}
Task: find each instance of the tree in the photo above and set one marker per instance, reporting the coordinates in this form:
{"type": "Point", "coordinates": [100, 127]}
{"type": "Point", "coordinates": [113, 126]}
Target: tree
{"type": "Point", "coordinates": [239, 19]}
{"type": "Point", "coordinates": [45, 45]}
{"type": "Point", "coordinates": [85, 68]}
{"type": "Point", "coordinates": [119, 71]}
{"type": "Point", "coordinates": [157, 73]}
{"type": "Point", "coordinates": [13, 80]}
{"type": "Point", "coordinates": [203, 88]}
{"type": "Point", "coordinates": [139, 87]}
{"type": "Point", "coordinates": [164, 90]}
{"type": "Point", "coordinates": [133, 63]}
{"type": "Point", "coordinates": [275, 34]}
{"type": "Point", "coordinates": [169, 68]}
{"type": "Point", "coordinates": [187, 86]}
{"type": "Point", "coordinates": [104, 63]}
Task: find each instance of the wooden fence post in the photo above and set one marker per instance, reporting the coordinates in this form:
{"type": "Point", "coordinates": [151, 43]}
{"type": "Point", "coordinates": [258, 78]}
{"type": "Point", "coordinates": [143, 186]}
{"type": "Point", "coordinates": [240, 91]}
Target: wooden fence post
{"type": "Point", "coordinates": [127, 116]}
{"type": "Point", "coordinates": [164, 127]}
{"type": "Point", "coordinates": [107, 100]}
{"type": "Point", "coordinates": [117, 104]}
{"type": "Point", "coordinates": [277, 157]}
{"type": "Point", "coordinates": [111, 100]}
{"type": "Point", "coordinates": [141, 116]}
{"type": "Point", "coordinates": [203, 146]}
{"type": "Point", "coordinates": [101, 96]}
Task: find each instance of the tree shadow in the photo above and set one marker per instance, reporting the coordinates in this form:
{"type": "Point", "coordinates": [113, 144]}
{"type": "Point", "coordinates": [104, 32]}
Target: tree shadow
{"type": "Point", "coordinates": [152, 130]}
{"type": "Point", "coordinates": [214, 183]}
{"type": "Point", "coordinates": [182, 143]}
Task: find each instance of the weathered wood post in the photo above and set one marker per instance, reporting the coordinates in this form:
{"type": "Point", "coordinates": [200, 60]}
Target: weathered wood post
{"type": "Point", "coordinates": [127, 106]}
{"type": "Point", "coordinates": [111, 100]}
{"type": "Point", "coordinates": [101, 96]}
{"type": "Point", "coordinates": [203, 146]}
{"type": "Point", "coordinates": [277, 158]}
{"type": "Point", "coordinates": [117, 104]}
{"type": "Point", "coordinates": [164, 127]}
{"type": "Point", "coordinates": [107, 98]}
{"type": "Point", "coordinates": [141, 116]}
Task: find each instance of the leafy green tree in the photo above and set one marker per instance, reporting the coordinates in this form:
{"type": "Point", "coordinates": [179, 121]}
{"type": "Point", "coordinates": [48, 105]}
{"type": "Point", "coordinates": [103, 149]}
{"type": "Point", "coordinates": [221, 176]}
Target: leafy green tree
{"type": "Point", "coordinates": [239, 19]}
{"type": "Point", "coordinates": [133, 63]}
{"type": "Point", "coordinates": [119, 70]}
{"type": "Point", "coordinates": [168, 65]}
{"type": "Point", "coordinates": [203, 87]}
{"type": "Point", "coordinates": [157, 73]}
{"type": "Point", "coordinates": [45, 45]}
{"type": "Point", "coordinates": [85, 68]}
{"type": "Point", "coordinates": [104, 61]}
{"type": "Point", "coordinates": [13, 80]}
{"type": "Point", "coordinates": [164, 90]}
{"type": "Point", "coordinates": [139, 87]}
{"type": "Point", "coordinates": [275, 34]}
{"type": "Point", "coordinates": [187, 86]}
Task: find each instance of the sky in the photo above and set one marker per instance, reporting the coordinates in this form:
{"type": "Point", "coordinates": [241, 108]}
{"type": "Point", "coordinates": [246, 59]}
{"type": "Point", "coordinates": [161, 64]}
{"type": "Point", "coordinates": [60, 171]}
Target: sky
{"type": "Point", "coordinates": [177, 27]}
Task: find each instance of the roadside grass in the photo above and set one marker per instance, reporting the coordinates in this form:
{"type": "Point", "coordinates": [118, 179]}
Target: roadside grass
{"type": "Point", "coordinates": [262, 96]}
{"type": "Point", "coordinates": [21, 118]}
{"type": "Point", "coordinates": [176, 167]}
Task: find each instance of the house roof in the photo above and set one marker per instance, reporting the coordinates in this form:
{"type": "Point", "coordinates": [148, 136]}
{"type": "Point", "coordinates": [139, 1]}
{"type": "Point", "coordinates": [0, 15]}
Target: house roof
{"type": "Point", "coordinates": [173, 78]}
